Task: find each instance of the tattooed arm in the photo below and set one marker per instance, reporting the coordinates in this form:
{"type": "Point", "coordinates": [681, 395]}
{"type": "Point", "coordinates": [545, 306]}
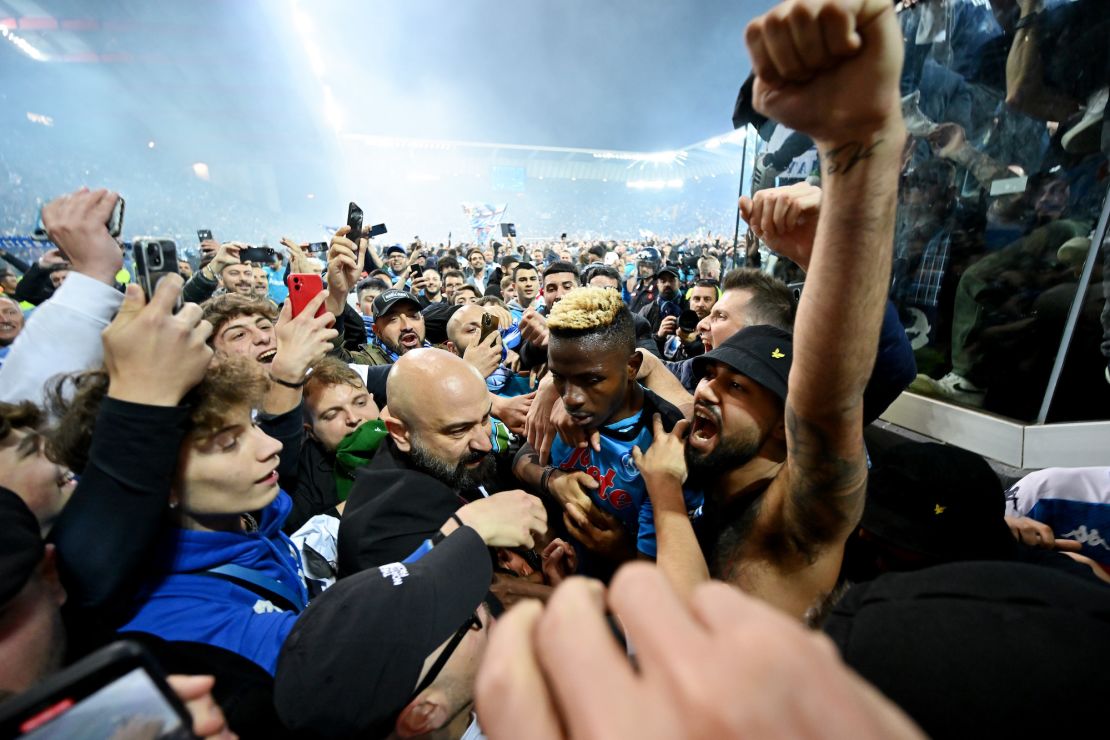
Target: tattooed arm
{"type": "Point", "coordinates": [849, 104]}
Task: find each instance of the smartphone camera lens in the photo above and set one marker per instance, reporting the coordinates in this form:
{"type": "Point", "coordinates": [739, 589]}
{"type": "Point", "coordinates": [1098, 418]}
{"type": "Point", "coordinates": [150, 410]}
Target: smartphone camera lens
{"type": "Point", "coordinates": [154, 256]}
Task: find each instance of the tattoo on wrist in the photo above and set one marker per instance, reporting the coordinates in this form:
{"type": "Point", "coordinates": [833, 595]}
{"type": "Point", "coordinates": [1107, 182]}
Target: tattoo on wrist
{"type": "Point", "coordinates": [843, 158]}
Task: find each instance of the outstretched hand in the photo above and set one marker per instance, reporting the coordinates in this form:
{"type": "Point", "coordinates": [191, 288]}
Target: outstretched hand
{"type": "Point", "coordinates": [153, 355]}
{"type": "Point", "coordinates": [786, 219]}
{"type": "Point", "coordinates": [77, 224]}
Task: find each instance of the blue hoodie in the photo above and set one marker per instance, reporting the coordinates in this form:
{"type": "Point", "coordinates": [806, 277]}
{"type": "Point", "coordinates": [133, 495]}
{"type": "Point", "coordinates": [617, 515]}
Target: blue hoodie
{"type": "Point", "coordinates": [185, 605]}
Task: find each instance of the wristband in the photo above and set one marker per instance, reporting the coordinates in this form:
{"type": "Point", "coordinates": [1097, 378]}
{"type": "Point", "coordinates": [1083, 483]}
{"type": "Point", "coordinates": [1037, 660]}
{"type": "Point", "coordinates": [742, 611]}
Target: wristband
{"type": "Point", "coordinates": [287, 384]}
{"type": "Point", "coordinates": [545, 478]}
{"type": "Point", "coordinates": [458, 521]}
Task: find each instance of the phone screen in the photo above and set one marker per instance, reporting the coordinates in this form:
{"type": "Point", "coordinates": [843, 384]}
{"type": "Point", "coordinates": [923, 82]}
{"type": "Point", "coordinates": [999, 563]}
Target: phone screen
{"type": "Point", "coordinates": [131, 703]}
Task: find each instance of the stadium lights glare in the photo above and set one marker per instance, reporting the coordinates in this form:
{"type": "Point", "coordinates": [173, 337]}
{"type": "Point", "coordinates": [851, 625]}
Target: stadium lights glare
{"type": "Point", "coordinates": [39, 118]}
{"type": "Point", "coordinates": [422, 177]}
{"type": "Point", "coordinates": [200, 169]}
{"type": "Point", "coordinates": [713, 144]}
{"type": "Point", "coordinates": [654, 184]}
{"type": "Point", "coordinates": [23, 45]}
{"type": "Point", "coordinates": [654, 157]}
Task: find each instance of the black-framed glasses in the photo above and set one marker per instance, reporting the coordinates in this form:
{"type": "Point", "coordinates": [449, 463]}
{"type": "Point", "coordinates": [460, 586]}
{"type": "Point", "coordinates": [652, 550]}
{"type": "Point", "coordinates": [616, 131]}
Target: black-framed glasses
{"type": "Point", "coordinates": [474, 622]}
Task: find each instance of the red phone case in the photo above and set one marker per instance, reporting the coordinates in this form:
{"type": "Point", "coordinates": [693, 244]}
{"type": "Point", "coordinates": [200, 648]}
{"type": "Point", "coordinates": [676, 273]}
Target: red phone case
{"type": "Point", "coordinates": [303, 287]}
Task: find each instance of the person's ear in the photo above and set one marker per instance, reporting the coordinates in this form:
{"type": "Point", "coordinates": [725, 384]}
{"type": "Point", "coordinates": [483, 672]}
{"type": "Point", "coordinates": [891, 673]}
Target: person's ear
{"type": "Point", "coordinates": [48, 569]}
{"type": "Point", "coordinates": [399, 431]}
{"type": "Point", "coordinates": [452, 348]}
{"type": "Point", "coordinates": [423, 715]}
{"type": "Point", "coordinates": [635, 360]}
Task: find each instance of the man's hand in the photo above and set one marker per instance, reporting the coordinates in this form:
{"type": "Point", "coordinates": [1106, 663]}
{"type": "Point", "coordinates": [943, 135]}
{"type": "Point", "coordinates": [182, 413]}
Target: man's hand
{"type": "Point", "coordinates": [599, 532]}
{"type": "Point", "coordinates": [667, 327]}
{"type": "Point", "coordinates": [572, 433]}
{"type": "Point", "coordinates": [485, 354]}
{"type": "Point", "coordinates": [301, 341]}
{"type": "Point", "coordinates": [560, 561]}
{"type": "Point", "coordinates": [723, 666]}
{"type": "Point", "coordinates": [77, 224]}
{"type": "Point", "coordinates": [533, 327]}
{"type": "Point", "coordinates": [209, 247]}
{"type": "Point", "coordinates": [1038, 534]}
{"type": "Point", "coordinates": [195, 692]}
{"type": "Point", "coordinates": [828, 68]}
{"type": "Point", "coordinates": [948, 139]}
{"type": "Point", "coordinates": [345, 261]}
{"type": "Point", "coordinates": [51, 257]}
{"type": "Point", "coordinates": [513, 412]}
{"type": "Point", "coordinates": [506, 519]}
{"type": "Point", "coordinates": [297, 257]}
{"type": "Point", "coordinates": [538, 428]}
{"type": "Point", "coordinates": [786, 219]}
{"type": "Point", "coordinates": [418, 284]}
{"type": "Point", "coordinates": [154, 356]}
{"type": "Point", "coordinates": [504, 318]}
{"type": "Point", "coordinates": [666, 458]}
{"type": "Point", "coordinates": [572, 487]}
{"type": "Point", "coordinates": [227, 254]}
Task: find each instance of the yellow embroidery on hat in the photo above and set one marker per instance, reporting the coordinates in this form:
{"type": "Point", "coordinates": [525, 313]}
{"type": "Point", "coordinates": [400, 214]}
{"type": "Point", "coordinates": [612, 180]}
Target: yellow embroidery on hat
{"type": "Point", "coordinates": [777, 353]}
{"type": "Point", "coordinates": [938, 509]}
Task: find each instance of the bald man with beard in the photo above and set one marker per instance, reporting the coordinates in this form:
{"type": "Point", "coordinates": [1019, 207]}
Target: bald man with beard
{"type": "Point", "coordinates": [437, 457]}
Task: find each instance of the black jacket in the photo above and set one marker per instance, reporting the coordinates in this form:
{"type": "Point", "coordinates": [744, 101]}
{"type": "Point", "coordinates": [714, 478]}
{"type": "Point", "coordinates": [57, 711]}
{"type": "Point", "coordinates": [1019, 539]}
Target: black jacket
{"type": "Point", "coordinates": [391, 510]}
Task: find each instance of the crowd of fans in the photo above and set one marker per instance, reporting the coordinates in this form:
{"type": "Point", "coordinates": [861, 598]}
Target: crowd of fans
{"type": "Point", "coordinates": [544, 489]}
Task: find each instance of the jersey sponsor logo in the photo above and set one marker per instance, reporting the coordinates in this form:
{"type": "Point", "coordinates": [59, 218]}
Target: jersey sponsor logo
{"type": "Point", "coordinates": [1089, 537]}
{"type": "Point", "coordinates": [618, 498]}
{"type": "Point", "coordinates": [397, 572]}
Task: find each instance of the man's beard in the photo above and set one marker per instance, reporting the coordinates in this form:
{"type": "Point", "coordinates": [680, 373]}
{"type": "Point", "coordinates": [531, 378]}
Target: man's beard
{"type": "Point", "coordinates": [706, 468]}
{"type": "Point", "coordinates": [459, 477]}
{"type": "Point", "coordinates": [400, 348]}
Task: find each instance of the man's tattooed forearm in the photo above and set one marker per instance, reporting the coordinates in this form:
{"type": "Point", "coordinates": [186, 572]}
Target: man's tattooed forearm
{"type": "Point", "coordinates": [843, 158]}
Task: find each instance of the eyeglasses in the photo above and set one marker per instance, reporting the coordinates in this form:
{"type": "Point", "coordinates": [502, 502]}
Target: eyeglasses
{"type": "Point", "coordinates": [473, 623]}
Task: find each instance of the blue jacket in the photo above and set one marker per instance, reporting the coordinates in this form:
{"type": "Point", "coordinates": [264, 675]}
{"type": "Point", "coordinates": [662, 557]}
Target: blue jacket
{"type": "Point", "coordinates": [182, 604]}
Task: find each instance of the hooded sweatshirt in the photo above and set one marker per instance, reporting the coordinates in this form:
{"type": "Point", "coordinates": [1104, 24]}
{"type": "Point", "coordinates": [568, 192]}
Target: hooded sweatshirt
{"type": "Point", "coordinates": [183, 603]}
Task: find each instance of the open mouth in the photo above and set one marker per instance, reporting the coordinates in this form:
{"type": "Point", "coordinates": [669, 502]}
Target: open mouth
{"type": "Point", "coordinates": [706, 426]}
{"type": "Point", "coordinates": [270, 479]}
{"type": "Point", "coordinates": [267, 356]}
{"type": "Point", "coordinates": [409, 339]}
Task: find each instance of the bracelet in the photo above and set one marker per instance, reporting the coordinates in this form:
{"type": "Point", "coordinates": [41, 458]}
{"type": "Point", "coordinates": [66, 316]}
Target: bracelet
{"type": "Point", "coordinates": [458, 521]}
{"type": "Point", "coordinates": [287, 384]}
{"type": "Point", "coordinates": [1027, 20]}
{"type": "Point", "coordinates": [544, 479]}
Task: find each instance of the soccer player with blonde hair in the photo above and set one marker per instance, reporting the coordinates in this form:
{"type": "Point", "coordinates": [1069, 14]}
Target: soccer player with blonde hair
{"type": "Point", "coordinates": [591, 355]}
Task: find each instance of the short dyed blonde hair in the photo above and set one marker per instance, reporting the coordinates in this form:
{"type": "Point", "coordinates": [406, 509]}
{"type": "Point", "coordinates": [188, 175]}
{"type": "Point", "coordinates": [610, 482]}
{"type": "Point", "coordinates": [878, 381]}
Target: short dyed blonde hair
{"type": "Point", "coordinates": [583, 309]}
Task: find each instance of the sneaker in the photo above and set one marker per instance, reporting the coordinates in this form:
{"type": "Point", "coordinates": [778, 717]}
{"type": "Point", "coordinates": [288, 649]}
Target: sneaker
{"type": "Point", "coordinates": [952, 387]}
{"type": "Point", "coordinates": [917, 123]}
{"type": "Point", "coordinates": [1084, 136]}
{"type": "Point", "coordinates": [763, 174]}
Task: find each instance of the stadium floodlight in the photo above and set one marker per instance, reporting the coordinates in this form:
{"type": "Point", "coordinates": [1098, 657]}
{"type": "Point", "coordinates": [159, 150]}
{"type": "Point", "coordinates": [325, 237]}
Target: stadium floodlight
{"type": "Point", "coordinates": [200, 169]}
{"type": "Point", "coordinates": [23, 45]}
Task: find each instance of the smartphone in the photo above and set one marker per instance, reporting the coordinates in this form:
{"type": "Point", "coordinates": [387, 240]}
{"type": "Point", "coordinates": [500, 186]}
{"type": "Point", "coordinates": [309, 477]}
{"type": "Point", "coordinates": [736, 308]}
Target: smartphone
{"type": "Point", "coordinates": [354, 221]}
{"type": "Point", "coordinates": [490, 323]}
{"type": "Point", "coordinates": [154, 260]}
{"type": "Point", "coordinates": [115, 221]}
{"type": "Point", "coordinates": [317, 248]}
{"type": "Point", "coordinates": [669, 308]}
{"type": "Point", "coordinates": [303, 287]}
{"type": "Point", "coordinates": [508, 230]}
{"type": "Point", "coordinates": [416, 271]}
{"type": "Point", "coordinates": [204, 235]}
{"type": "Point", "coordinates": [377, 230]}
{"type": "Point", "coordinates": [257, 255]}
{"type": "Point", "coordinates": [117, 687]}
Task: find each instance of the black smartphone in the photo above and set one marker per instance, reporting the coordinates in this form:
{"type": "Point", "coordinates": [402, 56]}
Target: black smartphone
{"type": "Point", "coordinates": [508, 230]}
{"type": "Point", "coordinates": [116, 689]}
{"type": "Point", "coordinates": [204, 235]}
{"type": "Point", "coordinates": [154, 260]}
{"type": "Point", "coordinates": [317, 248]}
{"type": "Point", "coordinates": [257, 255]}
{"type": "Point", "coordinates": [377, 230]}
{"type": "Point", "coordinates": [354, 221]}
{"type": "Point", "coordinates": [416, 271]}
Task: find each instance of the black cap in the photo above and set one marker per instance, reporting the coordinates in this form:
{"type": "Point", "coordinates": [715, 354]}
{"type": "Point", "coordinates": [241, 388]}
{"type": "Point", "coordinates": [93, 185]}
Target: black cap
{"type": "Point", "coordinates": [388, 298]}
{"type": "Point", "coordinates": [394, 248]}
{"type": "Point", "coordinates": [436, 316]}
{"type": "Point", "coordinates": [353, 658]}
{"type": "Point", "coordinates": [21, 546]}
{"type": "Point", "coordinates": [938, 501]}
{"type": "Point", "coordinates": [763, 353]}
{"type": "Point", "coordinates": [670, 270]}
{"type": "Point", "coordinates": [688, 320]}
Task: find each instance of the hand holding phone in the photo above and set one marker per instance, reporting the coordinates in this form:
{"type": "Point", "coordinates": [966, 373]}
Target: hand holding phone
{"type": "Point", "coordinates": [154, 260]}
{"type": "Point", "coordinates": [204, 235]}
{"type": "Point", "coordinates": [303, 287]}
{"type": "Point", "coordinates": [354, 222]}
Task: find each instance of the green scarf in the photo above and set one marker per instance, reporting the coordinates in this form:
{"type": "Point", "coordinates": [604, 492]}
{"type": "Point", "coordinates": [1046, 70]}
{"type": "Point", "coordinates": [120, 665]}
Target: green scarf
{"type": "Point", "coordinates": [356, 451]}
